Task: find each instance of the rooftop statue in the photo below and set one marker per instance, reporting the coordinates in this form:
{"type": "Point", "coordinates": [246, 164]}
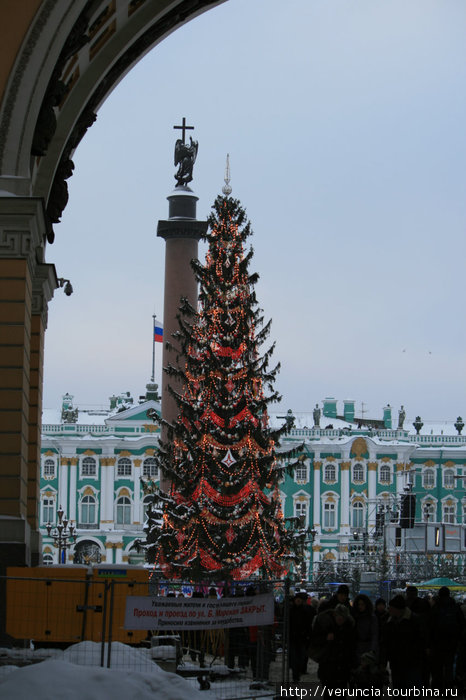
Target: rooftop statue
{"type": "Point", "coordinates": [401, 417]}
{"type": "Point", "coordinates": [185, 157]}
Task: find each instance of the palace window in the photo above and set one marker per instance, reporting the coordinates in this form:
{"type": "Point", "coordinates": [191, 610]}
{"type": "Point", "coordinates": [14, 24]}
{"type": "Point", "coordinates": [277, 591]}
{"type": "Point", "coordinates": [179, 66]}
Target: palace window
{"type": "Point", "coordinates": [150, 468]}
{"type": "Point", "coordinates": [385, 475]}
{"type": "Point", "coordinates": [300, 510]}
{"type": "Point", "coordinates": [88, 467]}
{"type": "Point", "coordinates": [428, 479]}
{"type": "Point", "coordinates": [329, 516]}
{"type": "Point", "coordinates": [357, 515]}
{"type": "Point", "coordinates": [300, 473]}
{"type": "Point", "coordinates": [145, 505]}
{"type": "Point", "coordinates": [47, 559]}
{"type": "Point", "coordinates": [449, 513]}
{"type": "Point", "coordinates": [88, 510]}
{"type": "Point", "coordinates": [123, 510]}
{"type": "Point", "coordinates": [49, 468]}
{"type": "Point", "coordinates": [358, 473]}
{"type": "Point", "coordinates": [428, 511]}
{"type": "Point", "coordinates": [124, 467]}
{"type": "Point", "coordinates": [330, 473]}
{"type": "Point", "coordinates": [464, 514]}
{"type": "Point", "coordinates": [449, 478]}
{"type": "Point", "coordinates": [48, 510]}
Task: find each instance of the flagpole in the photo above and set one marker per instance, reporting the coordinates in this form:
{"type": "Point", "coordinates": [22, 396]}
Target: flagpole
{"type": "Point", "coordinates": [153, 349]}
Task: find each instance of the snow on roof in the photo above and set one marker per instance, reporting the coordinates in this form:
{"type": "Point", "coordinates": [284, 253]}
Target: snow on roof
{"type": "Point", "coordinates": [432, 427]}
{"type": "Point", "coordinates": [62, 676]}
{"type": "Point", "coordinates": [52, 416]}
{"type": "Point", "coordinates": [305, 419]}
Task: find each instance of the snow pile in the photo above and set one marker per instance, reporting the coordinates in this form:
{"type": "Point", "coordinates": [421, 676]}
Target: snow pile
{"type": "Point", "coordinates": [54, 679]}
{"type": "Point", "coordinates": [122, 657]}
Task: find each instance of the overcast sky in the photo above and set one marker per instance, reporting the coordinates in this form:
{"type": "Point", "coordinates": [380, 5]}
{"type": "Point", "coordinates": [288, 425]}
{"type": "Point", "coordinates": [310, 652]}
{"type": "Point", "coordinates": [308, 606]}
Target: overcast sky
{"type": "Point", "coordinates": [345, 125]}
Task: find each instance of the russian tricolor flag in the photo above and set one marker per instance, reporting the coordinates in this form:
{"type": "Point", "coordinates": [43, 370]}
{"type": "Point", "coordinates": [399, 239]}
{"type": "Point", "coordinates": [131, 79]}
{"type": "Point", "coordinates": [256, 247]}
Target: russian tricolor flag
{"type": "Point", "coordinates": [158, 332]}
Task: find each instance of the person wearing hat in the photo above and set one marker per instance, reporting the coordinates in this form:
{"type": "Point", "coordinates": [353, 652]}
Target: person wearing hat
{"type": "Point", "coordinates": [403, 644]}
{"type": "Point", "coordinates": [341, 597]}
{"type": "Point", "coordinates": [366, 625]}
{"type": "Point", "coordinates": [334, 646]}
{"type": "Point", "coordinates": [300, 623]}
{"type": "Point", "coordinates": [446, 624]}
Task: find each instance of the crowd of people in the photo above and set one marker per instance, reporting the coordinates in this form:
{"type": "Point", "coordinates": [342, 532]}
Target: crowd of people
{"type": "Point", "coordinates": [409, 642]}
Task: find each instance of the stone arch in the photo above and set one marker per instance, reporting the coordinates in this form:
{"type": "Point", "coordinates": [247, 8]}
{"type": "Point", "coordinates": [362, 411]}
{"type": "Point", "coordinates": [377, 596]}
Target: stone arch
{"type": "Point", "coordinates": [59, 63]}
{"type": "Point", "coordinates": [88, 550]}
{"type": "Point", "coordinates": [68, 59]}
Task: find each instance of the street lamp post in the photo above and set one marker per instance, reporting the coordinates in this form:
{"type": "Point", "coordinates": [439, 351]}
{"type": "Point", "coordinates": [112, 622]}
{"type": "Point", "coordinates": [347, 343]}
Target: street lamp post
{"type": "Point", "coordinates": [63, 534]}
{"type": "Point", "coordinates": [309, 536]}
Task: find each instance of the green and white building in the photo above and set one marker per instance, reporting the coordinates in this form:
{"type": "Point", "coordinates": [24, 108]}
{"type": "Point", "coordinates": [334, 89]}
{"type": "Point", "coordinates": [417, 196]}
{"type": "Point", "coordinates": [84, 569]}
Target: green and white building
{"type": "Point", "coordinates": [94, 463]}
{"type": "Point", "coordinates": [353, 486]}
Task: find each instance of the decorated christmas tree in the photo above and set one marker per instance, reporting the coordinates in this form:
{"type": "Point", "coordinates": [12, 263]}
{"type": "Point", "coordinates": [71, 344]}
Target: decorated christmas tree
{"type": "Point", "coordinates": [222, 517]}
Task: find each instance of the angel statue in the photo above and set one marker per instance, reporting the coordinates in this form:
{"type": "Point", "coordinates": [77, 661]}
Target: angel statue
{"type": "Point", "coordinates": [185, 157]}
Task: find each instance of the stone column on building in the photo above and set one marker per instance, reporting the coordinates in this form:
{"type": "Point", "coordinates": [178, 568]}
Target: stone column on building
{"type": "Point", "coordinates": [26, 285]}
{"type": "Point", "coordinates": [43, 286]}
{"type": "Point", "coordinates": [181, 233]}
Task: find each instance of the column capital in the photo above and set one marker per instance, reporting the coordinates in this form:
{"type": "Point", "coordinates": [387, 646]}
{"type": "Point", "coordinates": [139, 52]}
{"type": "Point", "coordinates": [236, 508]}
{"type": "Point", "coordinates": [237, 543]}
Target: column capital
{"type": "Point", "coordinates": [22, 229]}
{"type": "Point", "coordinates": [188, 228]}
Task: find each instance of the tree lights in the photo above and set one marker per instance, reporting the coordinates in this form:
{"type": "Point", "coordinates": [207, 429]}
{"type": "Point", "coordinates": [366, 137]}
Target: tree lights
{"type": "Point", "coordinates": [222, 517]}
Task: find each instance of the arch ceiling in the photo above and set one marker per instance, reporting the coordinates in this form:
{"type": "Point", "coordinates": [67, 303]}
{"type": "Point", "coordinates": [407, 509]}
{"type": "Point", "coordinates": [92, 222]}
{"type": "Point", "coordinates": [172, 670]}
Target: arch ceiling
{"type": "Point", "coordinates": [70, 59]}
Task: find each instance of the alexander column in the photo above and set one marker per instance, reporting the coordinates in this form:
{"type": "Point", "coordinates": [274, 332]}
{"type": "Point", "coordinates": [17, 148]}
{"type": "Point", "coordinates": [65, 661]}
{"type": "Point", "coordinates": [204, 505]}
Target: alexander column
{"type": "Point", "coordinates": [181, 232]}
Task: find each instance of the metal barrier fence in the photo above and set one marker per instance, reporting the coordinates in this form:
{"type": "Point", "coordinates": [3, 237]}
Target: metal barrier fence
{"type": "Point", "coordinates": [79, 616]}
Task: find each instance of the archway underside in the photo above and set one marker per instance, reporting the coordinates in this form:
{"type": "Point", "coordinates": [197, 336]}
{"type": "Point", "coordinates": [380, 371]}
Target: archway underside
{"type": "Point", "coordinates": [70, 61]}
{"type": "Point", "coordinates": [63, 60]}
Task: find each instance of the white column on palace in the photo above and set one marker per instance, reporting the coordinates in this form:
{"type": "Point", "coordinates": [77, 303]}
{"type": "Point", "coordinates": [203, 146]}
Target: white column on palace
{"type": "Point", "coordinates": [137, 492]}
{"type": "Point", "coordinates": [110, 495]}
{"type": "Point", "coordinates": [399, 478]}
{"type": "Point", "coordinates": [63, 494]}
{"type": "Point", "coordinates": [119, 553]}
{"type": "Point", "coordinates": [72, 515]}
{"type": "Point", "coordinates": [317, 507]}
{"type": "Point", "coordinates": [345, 496]}
{"type": "Point", "coordinates": [372, 494]}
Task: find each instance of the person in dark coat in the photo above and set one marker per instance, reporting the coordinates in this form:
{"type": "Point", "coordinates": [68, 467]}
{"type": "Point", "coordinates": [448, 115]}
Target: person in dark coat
{"type": "Point", "coordinates": [366, 626]}
{"type": "Point", "coordinates": [421, 607]}
{"type": "Point", "coordinates": [402, 645]}
{"type": "Point", "coordinates": [300, 623]}
{"type": "Point", "coordinates": [381, 613]}
{"type": "Point", "coordinates": [333, 633]}
{"type": "Point", "coordinates": [445, 629]}
{"type": "Point", "coordinates": [341, 597]}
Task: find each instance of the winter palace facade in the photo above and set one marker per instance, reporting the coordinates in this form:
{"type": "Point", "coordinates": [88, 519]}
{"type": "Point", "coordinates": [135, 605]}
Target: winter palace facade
{"type": "Point", "coordinates": [361, 487]}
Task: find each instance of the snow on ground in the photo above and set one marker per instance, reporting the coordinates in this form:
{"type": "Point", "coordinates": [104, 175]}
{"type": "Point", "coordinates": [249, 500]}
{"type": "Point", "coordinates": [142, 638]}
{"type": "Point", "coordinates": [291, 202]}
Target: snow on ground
{"type": "Point", "coordinates": [52, 674]}
{"type": "Point", "coordinates": [57, 677]}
